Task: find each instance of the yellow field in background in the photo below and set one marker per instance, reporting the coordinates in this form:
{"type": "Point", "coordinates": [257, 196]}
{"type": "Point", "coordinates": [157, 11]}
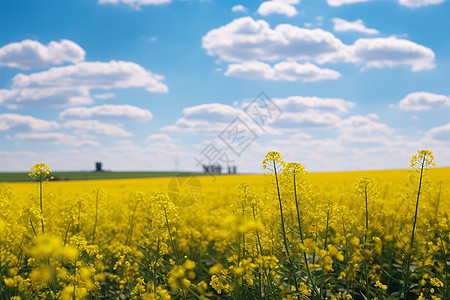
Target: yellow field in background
{"type": "Point", "coordinates": [224, 182]}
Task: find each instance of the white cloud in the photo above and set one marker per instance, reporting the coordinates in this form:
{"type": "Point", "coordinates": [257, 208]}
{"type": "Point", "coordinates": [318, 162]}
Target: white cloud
{"type": "Point", "coordinates": [390, 52]}
{"type": "Point", "coordinates": [373, 116]}
{"type": "Point", "coordinates": [341, 25]}
{"type": "Point", "coordinates": [246, 39]}
{"type": "Point", "coordinates": [282, 7]}
{"type": "Point", "coordinates": [104, 96]}
{"type": "Point", "coordinates": [408, 3]}
{"type": "Point", "coordinates": [55, 137]}
{"type": "Point", "coordinates": [18, 122]}
{"type": "Point", "coordinates": [239, 8]}
{"type": "Point", "coordinates": [99, 75]}
{"type": "Point", "coordinates": [303, 120]}
{"type": "Point", "coordinates": [342, 2]}
{"type": "Point", "coordinates": [419, 3]}
{"type": "Point", "coordinates": [440, 133]}
{"type": "Point", "coordinates": [361, 127]}
{"type": "Point", "coordinates": [423, 101]}
{"type": "Point", "coordinates": [307, 112]}
{"type": "Point", "coordinates": [316, 104]}
{"type": "Point", "coordinates": [162, 141]}
{"type": "Point", "coordinates": [88, 128]}
{"type": "Point", "coordinates": [212, 111]}
{"type": "Point", "coordinates": [310, 112]}
{"type": "Point", "coordinates": [159, 137]}
{"type": "Point", "coordinates": [136, 3]}
{"type": "Point", "coordinates": [70, 85]}
{"type": "Point", "coordinates": [108, 111]}
{"type": "Point", "coordinates": [45, 97]}
{"type": "Point", "coordinates": [283, 71]}
{"type": "Point", "coordinates": [209, 118]}
{"type": "Point", "coordinates": [32, 54]}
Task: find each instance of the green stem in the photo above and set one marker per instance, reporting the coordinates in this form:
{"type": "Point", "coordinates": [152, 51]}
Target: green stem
{"type": "Point", "coordinates": [74, 288]}
{"type": "Point", "coordinates": [67, 232]}
{"type": "Point", "coordinates": [96, 216]}
{"type": "Point", "coordinates": [436, 209]}
{"type": "Point", "coordinates": [269, 282]}
{"type": "Point", "coordinates": [130, 232]}
{"type": "Point", "coordinates": [366, 279]}
{"type": "Point", "coordinates": [174, 249]}
{"type": "Point", "coordinates": [32, 227]}
{"type": "Point", "coordinates": [155, 266]}
{"type": "Point", "coordinates": [282, 227]}
{"type": "Point", "coordinates": [326, 230]}
{"type": "Point", "coordinates": [408, 265]}
{"type": "Point", "coordinates": [40, 202]}
{"type": "Point", "coordinates": [316, 292]}
{"type": "Point", "coordinates": [446, 288]}
{"type": "Point", "coordinates": [365, 242]}
{"type": "Point", "coordinates": [346, 252]}
{"type": "Point", "coordinates": [79, 214]}
{"type": "Point", "coordinates": [243, 234]}
{"type": "Point", "coordinates": [367, 212]}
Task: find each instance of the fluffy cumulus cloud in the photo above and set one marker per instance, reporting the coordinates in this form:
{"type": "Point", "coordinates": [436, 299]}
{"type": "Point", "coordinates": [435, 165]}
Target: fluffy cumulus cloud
{"type": "Point", "coordinates": [239, 8]}
{"type": "Point", "coordinates": [90, 128]}
{"type": "Point", "coordinates": [391, 52]}
{"type": "Point", "coordinates": [159, 137]}
{"type": "Point", "coordinates": [287, 71]}
{"type": "Point", "coordinates": [56, 138]}
{"type": "Point", "coordinates": [297, 112]}
{"type": "Point", "coordinates": [104, 96]}
{"type": "Point", "coordinates": [282, 7]}
{"type": "Point", "coordinates": [45, 97]}
{"type": "Point", "coordinates": [341, 25]}
{"type": "Point", "coordinates": [310, 112]}
{"type": "Point", "coordinates": [408, 3]}
{"type": "Point", "coordinates": [359, 129]}
{"type": "Point", "coordinates": [440, 133]}
{"type": "Point", "coordinates": [99, 75]}
{"type": "Point", "coordinates": [209, 118]}
{"type": "Point", "coordinates": [108, 111]}
{"type": "Point", "coordinates": [163, 142]}
{"type": "Point", "coordinates": [306, 120]}
{"type": "Point", "coordinates": [423, 101]}
{"type": "Point", "coordinates": [29, 54]}
{"type": "Point", "coordinates": [342, 2]}
{"type": "Point", "coordinates": [135, 3]}
{"type": "Point", "coordinates": [70, 85]}
{"type": "Point", "coordinates": [247, 40]}
{"type": "Point", "coordinates": [308, 104]}
{"type": "Point", "coordinates": [419, 3]}
{"type": "Point", "coordinates": [16, 122]}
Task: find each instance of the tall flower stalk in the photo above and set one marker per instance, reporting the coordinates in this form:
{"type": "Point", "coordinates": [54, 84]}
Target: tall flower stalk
{"type": "Point", "coordinates": [41, 173]}
{"type": "Point", "coordinates": [365, 189]}
{"type": "Point", "coordinates": [295, 173]}
{"type": "Point", "coordinates": [420, 163]}
{"type": "Point", "coordinates": [274, 162]}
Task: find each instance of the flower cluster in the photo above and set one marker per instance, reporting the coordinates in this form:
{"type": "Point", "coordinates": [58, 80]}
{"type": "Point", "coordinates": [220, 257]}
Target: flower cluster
{"type": "Point", "coordinates": [295, 235]}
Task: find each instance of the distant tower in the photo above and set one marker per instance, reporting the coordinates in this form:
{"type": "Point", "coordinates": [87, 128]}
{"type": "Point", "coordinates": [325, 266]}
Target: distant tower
{"type": "Point", "coordinates": [98, 167]}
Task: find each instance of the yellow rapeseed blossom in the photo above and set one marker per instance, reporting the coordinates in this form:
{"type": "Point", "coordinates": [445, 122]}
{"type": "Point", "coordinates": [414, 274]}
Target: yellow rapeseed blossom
{"type": "Point", "coordinates": [127, 239]}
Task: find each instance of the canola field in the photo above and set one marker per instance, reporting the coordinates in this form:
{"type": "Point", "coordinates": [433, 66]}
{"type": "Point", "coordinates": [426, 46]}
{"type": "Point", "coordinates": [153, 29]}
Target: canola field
{"type": "Point", "coordinates": [287, 234]}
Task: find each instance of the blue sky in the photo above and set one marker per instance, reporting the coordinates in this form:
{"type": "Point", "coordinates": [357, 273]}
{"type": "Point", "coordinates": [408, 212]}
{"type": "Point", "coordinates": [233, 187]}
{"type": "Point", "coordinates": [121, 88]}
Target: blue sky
{"type": "Point", "coordinates": [164, 84]}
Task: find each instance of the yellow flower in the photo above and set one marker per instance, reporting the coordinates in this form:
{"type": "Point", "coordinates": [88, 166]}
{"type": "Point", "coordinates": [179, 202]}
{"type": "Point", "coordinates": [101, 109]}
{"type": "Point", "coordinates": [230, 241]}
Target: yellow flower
{"type": "Point", "coordinates": [40, 172]}
{"type": "Point", "coordinates": [378, 284]}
